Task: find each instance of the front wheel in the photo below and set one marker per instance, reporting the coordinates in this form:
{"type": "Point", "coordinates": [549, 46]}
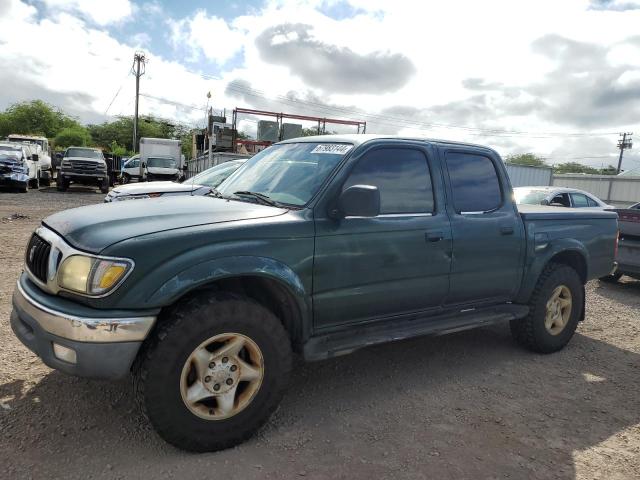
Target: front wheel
{"type": "Point", "coordinates": [212, 374]}
{"type": "Point", "coordinates": [126, 178]}
{"type": "Point", "coordinates": [104, 186]}
{"type": "Point", "coordinates": [555, 306]}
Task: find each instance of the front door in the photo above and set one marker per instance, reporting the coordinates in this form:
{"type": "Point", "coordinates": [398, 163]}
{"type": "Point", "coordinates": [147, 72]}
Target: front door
{"type": "Point", "coordinates": [488, 234]}
{"type": "Point", "coordinates": [395, 263]}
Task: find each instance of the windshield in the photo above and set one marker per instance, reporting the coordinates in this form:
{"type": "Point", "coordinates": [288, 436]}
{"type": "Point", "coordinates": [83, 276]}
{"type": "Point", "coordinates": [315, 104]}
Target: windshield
{"type": "Point", "coordinates": [214, 176]}
{"type": "Point", "coordinates": [9, 150]}
{"type": "Point", "coordinates": [161, 162]}
{"type": "Point", "coordinates": [527, 196]}
{"type": "Point", "coordinates": [289, 173]}
{"type": "Point", "coordinates": [83, 152]}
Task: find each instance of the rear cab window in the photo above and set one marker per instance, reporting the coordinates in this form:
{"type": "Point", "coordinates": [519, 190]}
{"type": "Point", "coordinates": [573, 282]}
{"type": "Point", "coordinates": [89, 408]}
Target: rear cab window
{"type": "Point", "coordinates": [475, 185]}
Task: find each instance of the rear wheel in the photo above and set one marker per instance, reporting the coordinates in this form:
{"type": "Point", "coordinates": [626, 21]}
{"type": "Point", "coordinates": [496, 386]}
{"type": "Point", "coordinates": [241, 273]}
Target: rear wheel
{"type": "Point", "coordinates": [213, 373]}
{"type": "Point", "coordinates": [555, 309]}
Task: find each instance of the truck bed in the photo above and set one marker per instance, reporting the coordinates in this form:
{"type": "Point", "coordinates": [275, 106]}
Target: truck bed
{"type": "Point", "coordinates": [543, 212]}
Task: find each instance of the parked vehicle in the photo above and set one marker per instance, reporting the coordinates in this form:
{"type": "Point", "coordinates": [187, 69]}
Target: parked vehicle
{"type": "Point", "coordinates": [85, 166]}
{"type": "Point", "coordinates": [25, 158]}
{"type": "Point", "coordinates": [13, 172]}
{"type": "Point", "coordinates": [160, 159]}
{"type": "Point", "coordinates": [628, 252]}
{"type": "Point", "coordinates": [559, 197]}
{"type": "Point", "coordinates": [130, 170]}
{"type": "Point", "coordinates": [201, 184]}
{"type": "Point", "coordinates": [43, 152]}
{"type": "Point", "coordinates": [320, 245]}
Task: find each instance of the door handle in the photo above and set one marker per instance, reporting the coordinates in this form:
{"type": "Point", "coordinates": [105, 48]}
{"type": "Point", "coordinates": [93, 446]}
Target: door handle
{"type": "Point", "coordinates": [433, 236]}
{"type": "Point", "coordinates": [506, 230]}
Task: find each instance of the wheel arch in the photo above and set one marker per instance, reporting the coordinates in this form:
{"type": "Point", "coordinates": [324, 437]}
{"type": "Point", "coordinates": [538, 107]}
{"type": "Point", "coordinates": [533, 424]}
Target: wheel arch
{"type": "Point", "coordinates": [572, 255]}
{"type": "Point", "coordinates": [272, 284]}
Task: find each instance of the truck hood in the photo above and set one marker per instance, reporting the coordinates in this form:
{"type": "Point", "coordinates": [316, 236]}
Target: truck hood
{"type": "Point", "coordinates": [84, 159]}
{"type": "Point", "coordinates": [154, 187]}
{"type": "Point", "coordinates": [95, 227]}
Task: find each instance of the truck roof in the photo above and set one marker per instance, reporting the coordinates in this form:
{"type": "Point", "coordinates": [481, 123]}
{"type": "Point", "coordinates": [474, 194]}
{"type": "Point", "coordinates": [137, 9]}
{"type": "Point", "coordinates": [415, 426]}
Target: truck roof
{"type": "Point", "coordinates": [360, 138]}
{"type": "Point", "coordinates": [26, 137]}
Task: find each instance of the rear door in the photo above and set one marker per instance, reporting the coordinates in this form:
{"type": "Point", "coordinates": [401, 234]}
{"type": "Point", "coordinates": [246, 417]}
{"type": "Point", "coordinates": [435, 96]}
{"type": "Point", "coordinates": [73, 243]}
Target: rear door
{"type": "Point", "coordinates": [488, 234]}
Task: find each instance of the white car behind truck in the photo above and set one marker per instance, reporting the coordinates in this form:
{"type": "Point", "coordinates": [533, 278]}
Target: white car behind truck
{"type": "Point", "coordinates": [39, 146]}
{"type": "Point", "coordinates": [160, 159]}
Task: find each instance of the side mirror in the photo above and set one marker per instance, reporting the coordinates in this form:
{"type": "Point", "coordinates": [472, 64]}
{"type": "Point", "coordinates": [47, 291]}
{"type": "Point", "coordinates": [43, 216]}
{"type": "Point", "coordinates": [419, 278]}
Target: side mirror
{"type": "Point", "coordinates": [359, 201]}
{"type": "Point", "coordinates": [144, 165]}
{"type": "Point", "coordinates": [184, 168]}
{"type": "Point", "coordinates": [34, 157]}
{"type": "Point", "coordinates": [544, 202]}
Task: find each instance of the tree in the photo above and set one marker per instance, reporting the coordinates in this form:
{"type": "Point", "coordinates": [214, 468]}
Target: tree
{"type": "Point", "coordinates": [72, 136]}
{"type": "Point", "coordinates": [117, 149]}
{"type": "Point", "coordinates": [575, 167]}
{"type": "Point", "coordinates": [35, 117]}
{"type": "Point", "coordinates": [527, 159]}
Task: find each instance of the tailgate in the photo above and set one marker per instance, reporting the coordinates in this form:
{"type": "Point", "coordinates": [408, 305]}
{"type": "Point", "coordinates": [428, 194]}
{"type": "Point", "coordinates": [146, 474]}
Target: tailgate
{"type": "Point", "coordinates": [628, 222]}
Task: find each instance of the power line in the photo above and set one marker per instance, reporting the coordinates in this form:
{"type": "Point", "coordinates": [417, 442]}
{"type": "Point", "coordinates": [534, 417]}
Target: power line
{"type": "Point", "coordinates": [117, 93]}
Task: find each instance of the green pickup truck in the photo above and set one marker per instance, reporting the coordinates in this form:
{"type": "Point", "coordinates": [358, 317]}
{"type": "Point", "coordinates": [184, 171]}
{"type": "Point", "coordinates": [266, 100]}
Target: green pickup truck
{"type": "Point", "coordinates": [319, 246]}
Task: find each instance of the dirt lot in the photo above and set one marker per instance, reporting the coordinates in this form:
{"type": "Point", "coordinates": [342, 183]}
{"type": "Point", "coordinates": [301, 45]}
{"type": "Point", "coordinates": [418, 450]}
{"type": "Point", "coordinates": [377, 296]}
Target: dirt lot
{"type": "Point", "coordinates": [470, 405]}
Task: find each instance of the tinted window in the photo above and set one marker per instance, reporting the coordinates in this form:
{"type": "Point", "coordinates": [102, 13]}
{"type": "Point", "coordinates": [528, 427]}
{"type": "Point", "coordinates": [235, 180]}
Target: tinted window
{"type": "Point", "coordinates": [579, 200]}
{"type": "Point", "coordinates": [402, 177]}
{"type": "Point", "coordinates": [474, 182]}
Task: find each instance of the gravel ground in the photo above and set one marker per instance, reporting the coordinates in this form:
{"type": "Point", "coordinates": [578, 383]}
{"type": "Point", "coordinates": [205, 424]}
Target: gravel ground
{"type": "Point", "coordinates": [468, 405]}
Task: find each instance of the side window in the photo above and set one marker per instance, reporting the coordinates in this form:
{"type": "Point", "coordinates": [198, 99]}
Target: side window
{"type": "Point", "coordinates": [402, 177]}
{"type": "Point", "coordinates": [592, 202]}
{"type": "Point", "coordinates": [579, 200]}
{"type": "Point", "coordinates": [474, 182]}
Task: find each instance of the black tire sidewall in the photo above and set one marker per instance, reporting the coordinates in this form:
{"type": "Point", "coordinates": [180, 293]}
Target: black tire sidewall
{"type": "Point", "coordinates": [562, 275]}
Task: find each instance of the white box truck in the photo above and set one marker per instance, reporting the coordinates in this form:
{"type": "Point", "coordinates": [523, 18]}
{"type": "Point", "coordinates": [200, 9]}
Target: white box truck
{"type": "Point", "coordinates": [160, 159]}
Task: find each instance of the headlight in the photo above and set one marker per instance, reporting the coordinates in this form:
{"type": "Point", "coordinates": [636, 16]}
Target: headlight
{"type": "Point", "coordinates": [91, 275]}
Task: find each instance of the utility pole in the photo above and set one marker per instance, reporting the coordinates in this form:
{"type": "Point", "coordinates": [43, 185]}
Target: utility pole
{"type": "Point", "coordinates": [138, 69]}
{"type": "Point", "coordinates": [624, 143]}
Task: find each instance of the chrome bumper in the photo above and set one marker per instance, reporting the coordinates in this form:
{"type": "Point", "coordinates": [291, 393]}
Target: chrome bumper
{"type": "Point", "coordinates": [83, 329]}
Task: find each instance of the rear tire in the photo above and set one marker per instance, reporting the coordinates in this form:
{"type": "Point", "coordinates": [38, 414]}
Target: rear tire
{"type": "Point", "coordinates": [159, 372]}
{"type": "Point", "coordinates": [549, 326]}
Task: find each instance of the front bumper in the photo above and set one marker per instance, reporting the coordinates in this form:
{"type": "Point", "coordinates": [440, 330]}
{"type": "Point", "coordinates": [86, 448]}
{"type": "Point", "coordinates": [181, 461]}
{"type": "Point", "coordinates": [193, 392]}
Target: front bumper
{"type": "Point", "coordinates": [13, 179]}
{"type": "Point", "coordinates": [104, 346]}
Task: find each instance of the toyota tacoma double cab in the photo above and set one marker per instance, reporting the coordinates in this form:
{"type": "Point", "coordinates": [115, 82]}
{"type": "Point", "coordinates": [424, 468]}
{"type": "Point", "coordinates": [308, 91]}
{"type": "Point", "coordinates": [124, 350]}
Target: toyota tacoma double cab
{"type": "Point", "coordinates": [319, 246]}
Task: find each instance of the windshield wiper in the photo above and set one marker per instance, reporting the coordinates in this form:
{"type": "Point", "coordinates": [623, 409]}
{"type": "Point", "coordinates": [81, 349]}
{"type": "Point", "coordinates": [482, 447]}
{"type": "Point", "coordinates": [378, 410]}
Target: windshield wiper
{"type": "Point", "coordinates": [261, 197]}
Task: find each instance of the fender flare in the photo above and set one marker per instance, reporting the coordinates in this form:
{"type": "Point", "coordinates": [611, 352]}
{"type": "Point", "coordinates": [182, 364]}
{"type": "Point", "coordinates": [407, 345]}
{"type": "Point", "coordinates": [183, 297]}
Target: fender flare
{"type": "Point", "coordinates": [541, 256]}
{"type": "Point", "coordinates": [210, 271]}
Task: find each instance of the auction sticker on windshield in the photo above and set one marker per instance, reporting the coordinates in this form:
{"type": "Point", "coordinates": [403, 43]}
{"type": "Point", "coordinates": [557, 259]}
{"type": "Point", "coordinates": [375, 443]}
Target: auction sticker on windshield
{"type": "Point", "coordinates": [333, 148]}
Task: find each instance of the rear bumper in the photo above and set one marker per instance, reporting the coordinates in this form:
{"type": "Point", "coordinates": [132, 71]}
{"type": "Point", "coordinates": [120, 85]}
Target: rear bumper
{"type": "Point", "coordinates": [104, 347]}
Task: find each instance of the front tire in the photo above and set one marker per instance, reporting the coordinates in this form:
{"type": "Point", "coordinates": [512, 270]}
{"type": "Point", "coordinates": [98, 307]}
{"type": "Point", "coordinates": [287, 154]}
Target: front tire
{"type": "Point", "coordinates": [556, 306]}
{"type": "Point", "coordinates": [104, 186]}
{"type": "Point", "coordinates": [62, 183]}
{"type": "Point", "coordinates": [213, 373]}
{"type": "Point", "coordinates": [126, 178]}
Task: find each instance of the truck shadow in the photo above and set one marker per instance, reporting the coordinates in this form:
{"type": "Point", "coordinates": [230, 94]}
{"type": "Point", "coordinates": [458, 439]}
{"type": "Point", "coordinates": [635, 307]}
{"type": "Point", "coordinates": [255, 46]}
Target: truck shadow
{"type": "Point", "coordinates": [468, 405]}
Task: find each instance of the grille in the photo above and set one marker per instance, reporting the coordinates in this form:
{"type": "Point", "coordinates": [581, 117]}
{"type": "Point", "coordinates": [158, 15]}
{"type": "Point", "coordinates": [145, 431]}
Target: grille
{"type": "Point", "coordinates": [83, 165]}
{"type": "Point", "coordinates": [38, 257]}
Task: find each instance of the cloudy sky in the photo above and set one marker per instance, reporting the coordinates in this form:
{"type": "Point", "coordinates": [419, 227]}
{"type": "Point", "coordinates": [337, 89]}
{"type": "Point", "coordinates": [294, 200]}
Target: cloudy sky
{"type": "Point", "coordinates": [558, 78]}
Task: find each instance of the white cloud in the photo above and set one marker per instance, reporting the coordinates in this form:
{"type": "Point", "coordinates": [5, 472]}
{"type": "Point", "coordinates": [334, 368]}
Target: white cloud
{"type": "Point", "coordinates": [100, 12]}
{"type": "Point", "coordinates": [205, 36]}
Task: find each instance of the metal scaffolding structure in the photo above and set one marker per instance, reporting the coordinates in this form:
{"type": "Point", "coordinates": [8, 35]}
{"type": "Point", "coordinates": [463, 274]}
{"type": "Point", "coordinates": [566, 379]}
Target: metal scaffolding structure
{"type": "Point", "coordinates": [279, 116]}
